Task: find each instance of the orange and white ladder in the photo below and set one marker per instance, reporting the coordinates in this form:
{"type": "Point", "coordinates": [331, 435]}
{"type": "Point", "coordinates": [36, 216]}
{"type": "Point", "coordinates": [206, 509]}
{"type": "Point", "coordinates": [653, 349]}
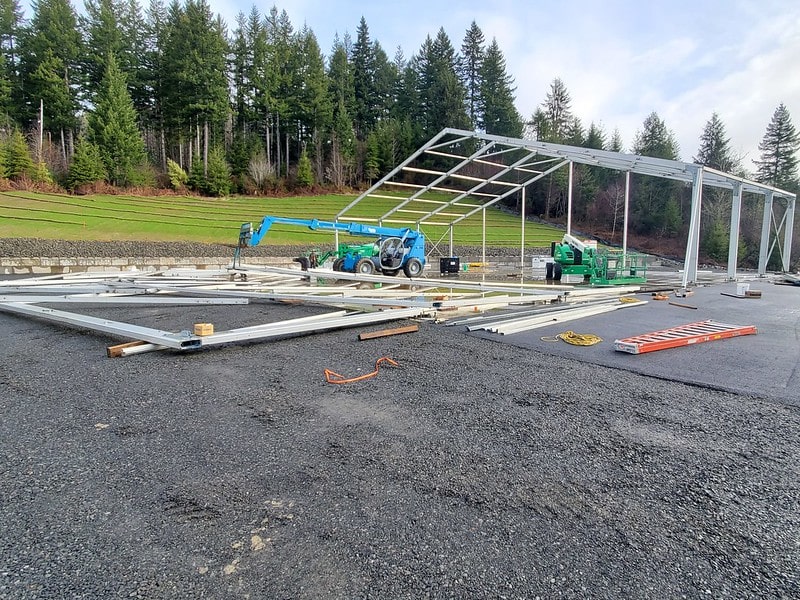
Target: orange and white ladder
{"type": "Point", "coordinates": [682, 335]}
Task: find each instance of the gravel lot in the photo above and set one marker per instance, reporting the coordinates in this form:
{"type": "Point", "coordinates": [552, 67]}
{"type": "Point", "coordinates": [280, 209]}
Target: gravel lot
{"type": "Point", "coordinates": [473, 470]}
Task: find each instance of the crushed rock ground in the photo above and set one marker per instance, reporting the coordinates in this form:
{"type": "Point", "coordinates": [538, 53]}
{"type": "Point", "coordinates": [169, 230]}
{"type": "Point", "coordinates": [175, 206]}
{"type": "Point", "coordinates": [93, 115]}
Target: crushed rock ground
{"type": "Point", "coordinates": [472, 470]}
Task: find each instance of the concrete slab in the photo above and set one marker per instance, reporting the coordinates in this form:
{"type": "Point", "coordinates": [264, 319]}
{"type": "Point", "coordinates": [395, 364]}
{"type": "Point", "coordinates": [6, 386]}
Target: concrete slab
{"type": "Point", "coordinates": [764, 365]}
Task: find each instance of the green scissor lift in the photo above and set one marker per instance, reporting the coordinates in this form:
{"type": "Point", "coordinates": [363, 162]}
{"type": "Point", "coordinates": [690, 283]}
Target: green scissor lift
{"type": "Point", "coordinates": [618, 268]}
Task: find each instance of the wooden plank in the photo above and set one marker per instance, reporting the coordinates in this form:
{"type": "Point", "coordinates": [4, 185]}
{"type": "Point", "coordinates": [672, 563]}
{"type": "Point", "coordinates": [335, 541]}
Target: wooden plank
{"type": "Point", "coordinates": [387, 332]}
{"type": "Point", "coordinates": [682, 305]}
{"type": "Point", "coordinates": [116, 351]}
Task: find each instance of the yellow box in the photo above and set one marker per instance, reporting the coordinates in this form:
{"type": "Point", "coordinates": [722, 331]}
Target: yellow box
{"type": "Point", "coordinates": [203, 328]}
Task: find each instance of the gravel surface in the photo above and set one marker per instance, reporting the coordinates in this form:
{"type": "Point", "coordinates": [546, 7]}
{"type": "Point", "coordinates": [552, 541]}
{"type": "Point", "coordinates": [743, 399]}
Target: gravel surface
{"type": "Point", "coordinates": [26, 247]}
{"type": "Point", "coordinates": [472, 470]}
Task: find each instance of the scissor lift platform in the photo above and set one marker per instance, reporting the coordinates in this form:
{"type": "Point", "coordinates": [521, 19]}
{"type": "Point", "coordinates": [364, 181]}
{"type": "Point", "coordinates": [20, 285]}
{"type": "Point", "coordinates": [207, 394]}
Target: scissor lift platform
{"type": "Point", "coordinates": [682, 335]}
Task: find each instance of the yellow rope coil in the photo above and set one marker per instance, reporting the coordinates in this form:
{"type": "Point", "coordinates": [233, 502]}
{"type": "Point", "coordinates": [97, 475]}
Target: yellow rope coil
{"type": "Point", "coordinates": [576, 339]}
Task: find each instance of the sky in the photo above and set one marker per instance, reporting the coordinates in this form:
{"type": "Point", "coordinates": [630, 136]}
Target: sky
{"type": "Point", "coordinates": [620, 60]}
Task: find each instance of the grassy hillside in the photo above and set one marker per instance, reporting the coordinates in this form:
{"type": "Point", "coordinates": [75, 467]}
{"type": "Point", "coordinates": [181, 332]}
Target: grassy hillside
{"type": "Point", "coordinates": [183, 218]}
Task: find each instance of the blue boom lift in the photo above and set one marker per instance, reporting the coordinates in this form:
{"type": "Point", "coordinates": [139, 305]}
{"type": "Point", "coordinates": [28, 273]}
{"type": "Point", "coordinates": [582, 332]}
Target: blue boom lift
{"type": "Point", "coordinates": [397, 248]}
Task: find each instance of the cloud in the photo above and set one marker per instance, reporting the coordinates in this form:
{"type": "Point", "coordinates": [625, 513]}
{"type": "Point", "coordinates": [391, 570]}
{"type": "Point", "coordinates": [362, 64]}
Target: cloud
{"type": "Point", "coordinates": [620, 60]}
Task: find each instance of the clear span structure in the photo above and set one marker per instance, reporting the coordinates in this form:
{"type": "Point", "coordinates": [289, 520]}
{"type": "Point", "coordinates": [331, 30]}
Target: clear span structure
{"type": "Point", "coordinates": [458, 174]}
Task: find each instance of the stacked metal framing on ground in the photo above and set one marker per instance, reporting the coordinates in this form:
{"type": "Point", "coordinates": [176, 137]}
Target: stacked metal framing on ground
{"type": "Point", "coordinates": [356, 300]}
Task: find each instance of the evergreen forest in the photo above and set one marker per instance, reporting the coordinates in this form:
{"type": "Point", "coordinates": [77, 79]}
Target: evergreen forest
{"type": "Point", "coordinates": [123, 95]}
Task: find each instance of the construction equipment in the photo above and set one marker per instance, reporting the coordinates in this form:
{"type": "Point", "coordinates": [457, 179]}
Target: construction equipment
{"type": "Point", "coordinates": [682, 335]}
{"type": "Point", "coordinates": [572, 256]}
{"type": "Point", "coordinates": [315, 258]}
{"type": "Point", "coordinates": [394, 249]}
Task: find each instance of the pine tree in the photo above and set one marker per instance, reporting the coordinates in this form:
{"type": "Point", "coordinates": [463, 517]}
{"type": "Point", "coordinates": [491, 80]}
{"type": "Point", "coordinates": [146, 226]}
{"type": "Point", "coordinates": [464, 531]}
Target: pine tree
{"type": "Point", "coordinates": [218, 179]}
{"type": "Point", "coordinates": [17, 158]}
{"type": "Point", "coordinates": [241, 68]}
{"type": "Point", "coordinates": [340, 79]}
{"type": "Point", "coordinates": [312, 108]}
{"type": "Point", "coordinates": [595, 137]}
{"type": "Point", "coordinates": [112, 126]}
{"type": "Point", "coordinates": [498, 115]}
{"type": "Point", "coordinates": [654, 204]}
{"type": "Point", "coordinates": [194, 83]}
{"type": "Point", "coordinates": [365, 94]}
{"type": "Point", "coordinates": [305, 176]}
{"type": "Point", "coordinates": [116, 27]}
{"type": "Point", "coordinates": [715, 152]}
{"type": "Point", "coordinates": [556, 113]}
{"type": "Point", "coordinates": [778, 147]}
{"type": "Point", "coordinates": [213, 180]}
{"type": "Point", "coordinates": [10, 25]}
{"type": "Point", "coordinates": [282, 58]}
{"type": "Point", "coordinates": [655, 139]}
{"type": "Point", "coordinates": [7, 104]}
{"type": "Point", "coordinates": [86, 167]}
{"type": "Point", "coordinates": [714, 148]}
{"type": "Point", "coordinates": [386, 83]}
{"type": "Point", "coordinates": [50, 52]}
{"type": "Point", "coordinates": [616, 145]}
{"type": "Point", "coordinates": [574, 134]}
{"type": "Point", "coordinates": [470, 71]}
{"type": "Point", "coordinates": [440, 91]}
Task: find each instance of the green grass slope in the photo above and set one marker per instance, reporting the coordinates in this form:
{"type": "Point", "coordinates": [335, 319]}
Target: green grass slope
{"type": "Point", "coordinates": [207, 220]}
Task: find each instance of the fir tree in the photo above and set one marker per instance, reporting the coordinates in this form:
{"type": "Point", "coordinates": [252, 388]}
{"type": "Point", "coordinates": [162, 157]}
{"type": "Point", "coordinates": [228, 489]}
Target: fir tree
{"type": "Point", "coordinates": [216, 180]}
{"type": "Point", "coordinates": [470, 70]}
{"type": "Point", "coordinates": [86, 167]}
{"type": "Point", "coordinates": [498, 115]}
{"type": "Point", "coordinates": [714, 148]}
{"type": "Point", "coordinates": [112, 126]}
{"type": "Point", "coordinates": [305, 176]}
{"type": "Point", "coordinates": [363, 61]}
{"type": "Point", "coordinates": [655, 139]}
{"type": "Point", "coordinates": [779, 146]}
{"type": "Point", "coordinates": [50, 52]}
{"type": "Point", "coordinates": [653, 202]}
{"type": "Point", "coordinates": [17, 158]}
{"type": "Point", "coordinates": [556, 113]}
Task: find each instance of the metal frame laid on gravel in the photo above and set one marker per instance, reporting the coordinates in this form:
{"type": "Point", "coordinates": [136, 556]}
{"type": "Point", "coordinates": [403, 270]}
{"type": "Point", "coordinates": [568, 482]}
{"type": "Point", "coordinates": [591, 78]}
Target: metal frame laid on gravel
{"type": "Point", "coordinates": [419, 297]}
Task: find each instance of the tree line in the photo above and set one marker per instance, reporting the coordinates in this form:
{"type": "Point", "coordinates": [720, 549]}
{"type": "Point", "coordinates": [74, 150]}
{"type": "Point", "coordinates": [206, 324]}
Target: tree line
{"type": "Point", "coordinates": [261, 100]}
{"type": "Point", "coordinates": [171, 95]}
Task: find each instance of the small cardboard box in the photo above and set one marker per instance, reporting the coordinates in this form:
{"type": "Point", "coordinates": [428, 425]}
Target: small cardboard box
{"type": "Point", "coordinates": [203, 328]}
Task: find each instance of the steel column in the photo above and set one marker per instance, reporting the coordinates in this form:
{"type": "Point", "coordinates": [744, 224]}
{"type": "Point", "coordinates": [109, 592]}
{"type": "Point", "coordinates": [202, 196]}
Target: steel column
{"type": "Point", "coordinates": [763, 254]}
{"type": "Point", "coordinates": [733, 241]}
{"type": "Point", "coordinates": [693, 242]}
{"type": "Point", "coordinates": [626, 210]}
{"type": "Point", "coordinates": [788, 232]}
{"type": "Point", "coordinates": [569, 199]}
{"type": "Point", "coordinates": [522, 237]}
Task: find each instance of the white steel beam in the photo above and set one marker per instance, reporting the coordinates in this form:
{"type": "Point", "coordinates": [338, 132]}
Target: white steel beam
{"type": "Point", "coordinates": [787, 234]}
{"type": "Point", "coordinates": [693, 241]}
{"type": "Point", "coordinates": [763, 253]}
{"type": "Point", "coordinates": [733, 240]}
{"type": "Point", "coordinates": [179, 341]}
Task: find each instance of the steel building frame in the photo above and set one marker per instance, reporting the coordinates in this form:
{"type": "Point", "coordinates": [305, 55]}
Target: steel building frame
{"type": "Point", "coordinates": [478, 170]}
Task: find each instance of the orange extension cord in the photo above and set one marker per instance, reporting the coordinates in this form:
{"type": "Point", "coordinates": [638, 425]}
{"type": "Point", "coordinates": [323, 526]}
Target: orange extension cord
{"type": "Point", "coordinates": [332, 377]}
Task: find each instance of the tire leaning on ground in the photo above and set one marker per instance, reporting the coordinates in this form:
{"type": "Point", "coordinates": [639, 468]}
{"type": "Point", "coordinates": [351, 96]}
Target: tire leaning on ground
{"type": "Point", "coordinates": [413, 267]}
{"type": "Point", "coordinates": [338, 264]}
